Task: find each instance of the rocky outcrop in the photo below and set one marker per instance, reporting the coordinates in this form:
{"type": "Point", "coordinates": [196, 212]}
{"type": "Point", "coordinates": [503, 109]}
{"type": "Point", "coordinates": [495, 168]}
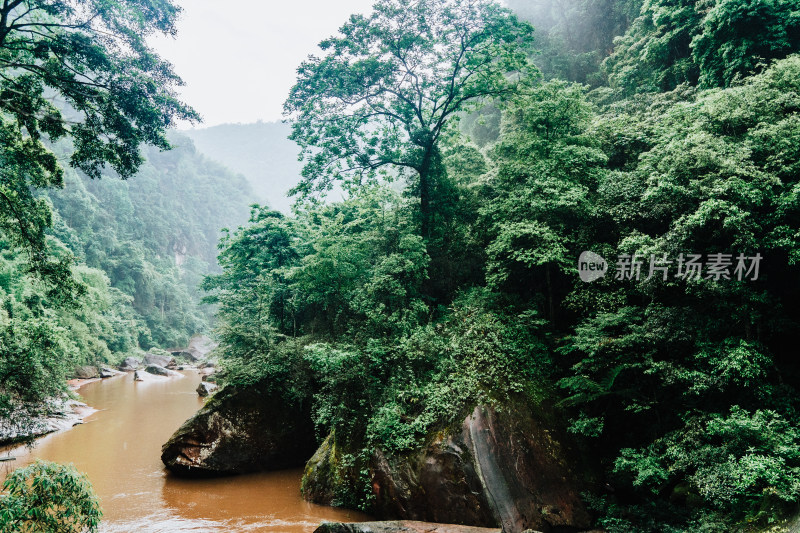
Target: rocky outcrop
{"type": "Point", "coordinates": [241, 429]}
{"type": "Point", "coordinates": [130, 364]}
{"type": "Point", "coordinates": [28, 421]}
{"type": "Point", "coordinates": [86, 372]}
{"type": "Point", "coordinates": [400, 526]}
{"type": "Point", "coordinates": [159, 360]}
{"type": "Point", "coordinates": [193, 356]}
{"type": "Point", "coordinates": [106, 372]}
{"type": "Point", "coordinates": [497, 469]}
{"type": "Point", "coordinates": [201, 346]}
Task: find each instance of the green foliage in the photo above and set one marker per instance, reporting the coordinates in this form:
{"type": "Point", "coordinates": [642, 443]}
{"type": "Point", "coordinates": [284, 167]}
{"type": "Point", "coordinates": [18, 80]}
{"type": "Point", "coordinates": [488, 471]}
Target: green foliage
{"type": "Point", "coordinates": [712, 43]}
{"type": "Point", "coordinates": [48, 498]}
{"type": "Point", "coordinates": [154, 236]}
{"type": "Point", "coordinates": [684, 391]}
{"type": "Point", "coordinates": [386, 89]}
{"type": "Point", "coordinates": [116, 92]}
{"type": "Point", "coordinates": [573, 37]}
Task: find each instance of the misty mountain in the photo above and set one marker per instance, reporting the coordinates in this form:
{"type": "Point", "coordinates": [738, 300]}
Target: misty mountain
{"type": "Point", "coordinates": [260, 151]}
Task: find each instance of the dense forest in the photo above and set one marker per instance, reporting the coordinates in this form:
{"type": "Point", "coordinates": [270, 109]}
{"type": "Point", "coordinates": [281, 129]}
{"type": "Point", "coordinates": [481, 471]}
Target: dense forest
{"type": "Point", "coordinates": [657, 134]}
{"type": "Point", "coordinates": [137, 251]}
{"type": "Point", "coordinates": [482, 149]}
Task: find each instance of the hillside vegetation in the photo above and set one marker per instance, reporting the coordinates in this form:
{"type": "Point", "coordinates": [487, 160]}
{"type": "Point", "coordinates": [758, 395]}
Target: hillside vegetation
{"type": "Point", "coordinates": [393, 312]}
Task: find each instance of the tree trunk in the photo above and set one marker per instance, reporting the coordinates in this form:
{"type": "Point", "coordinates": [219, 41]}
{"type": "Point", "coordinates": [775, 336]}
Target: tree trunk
{"type": "Point", "coordinates": [427, 173]}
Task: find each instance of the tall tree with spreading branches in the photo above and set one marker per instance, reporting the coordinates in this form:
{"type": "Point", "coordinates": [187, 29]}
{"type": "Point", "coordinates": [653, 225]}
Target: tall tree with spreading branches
{"type": "Point", "coordinates": [386, 88]}
{"type": "Point", "coordinates": [79, 69]}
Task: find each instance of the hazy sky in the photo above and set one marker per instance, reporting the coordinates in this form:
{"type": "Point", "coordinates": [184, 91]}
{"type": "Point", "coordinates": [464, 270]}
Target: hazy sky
{"type": "Point", "coordinates": [239, 57]}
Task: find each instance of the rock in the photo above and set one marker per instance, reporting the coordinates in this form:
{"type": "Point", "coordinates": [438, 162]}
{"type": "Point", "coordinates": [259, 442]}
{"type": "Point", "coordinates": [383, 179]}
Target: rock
{"type": "Point", "coordinates": [400, 526]}
{"type": "Point", "coordinates": [241, 429]}
{"type": "Point", "coordinates": [497, 469]}
{"type": "Point", "coordinates": [187, 355]}
{"type": "Point", "coordinates": [28, 421]}
{"type": "Point", "coordinates": [137, 375]}
{"type": "Point", "coordinates": [86, 372]}
{"type": "Point", "coordinates": [107, 373]}
{"type": "Point", "coordinates": [130, 364]}
{"type": "Point", "coordinates": [206, 371]}
{"type": "Point", "coordinates": [157, 370]}
{"type": "Point", "coordinates": [204, 389]}
{"type": "Point", "coordinates": [159, 360]}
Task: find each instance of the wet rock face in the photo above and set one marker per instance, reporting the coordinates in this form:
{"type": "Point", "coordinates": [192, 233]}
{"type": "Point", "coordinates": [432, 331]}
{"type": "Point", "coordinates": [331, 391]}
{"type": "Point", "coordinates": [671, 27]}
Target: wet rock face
{"type": "Point", "coordinates": [400, 526]}
{"type": "Point", "coordinates": [241, 429]}
{"type": "Point", "coordinates": [499, 469]}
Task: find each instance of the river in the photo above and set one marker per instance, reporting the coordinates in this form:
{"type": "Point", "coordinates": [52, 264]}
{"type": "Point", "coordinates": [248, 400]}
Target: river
{"type": "Point", "coordinates": [119, 447]}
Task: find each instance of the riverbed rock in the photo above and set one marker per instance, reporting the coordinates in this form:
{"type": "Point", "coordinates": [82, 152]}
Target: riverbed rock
{"type": "Point", "coordinates": [106, 372]}
{"type": "Point", "coordinates": [157, 370]}
{"type": "Point", "coordinates": [159, 360]}
{"type": "Point", "coordinates": [241, 429]}
{"type": "Point", "coordinates": [401, 526]}
{"type": "Point", "coordinates": [205, 388]}
{"type": "Point", "coordinates": [26, 422]}
{"type": "Point", "coordinates": [130, 364]}
{"type": "Point", "coordinates": [86, 372]}
{"type": "Point", "coordinates": [186, 355]}
{"type": "Point", "coordinates": [499, 468]}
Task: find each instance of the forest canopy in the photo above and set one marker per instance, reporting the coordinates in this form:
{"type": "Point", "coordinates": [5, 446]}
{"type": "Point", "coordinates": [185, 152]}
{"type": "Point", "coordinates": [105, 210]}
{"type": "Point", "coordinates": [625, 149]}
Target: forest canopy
{"type": "Point", "coordinates": [656, 130]}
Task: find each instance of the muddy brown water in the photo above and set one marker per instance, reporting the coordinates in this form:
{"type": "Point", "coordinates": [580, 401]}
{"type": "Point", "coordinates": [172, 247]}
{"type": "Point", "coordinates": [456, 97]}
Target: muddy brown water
{"type": "Point", "coordinates": [119, 447]}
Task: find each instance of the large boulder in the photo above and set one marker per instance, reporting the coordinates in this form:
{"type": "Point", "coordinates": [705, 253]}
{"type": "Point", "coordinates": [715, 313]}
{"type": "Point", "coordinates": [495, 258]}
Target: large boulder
{"type": "Point", "coordinates": [159, 360]}
{"type": "Point", "coordinates": [130, 364]}
{"type": "Point", "coordinates": [400, 526]}
{"type": "Point", "coordinates": [156, 370]}
{"type": "Point", "coordinates": [106, 372]}
{"type": "Point", "coordinates": [191, 356]}
{"type": "Point", "coordinates": [498, 468]}
{"type": "Point", "coordinates": [241, 429]}
{"type": "Point", "coordinates": [86, 372]}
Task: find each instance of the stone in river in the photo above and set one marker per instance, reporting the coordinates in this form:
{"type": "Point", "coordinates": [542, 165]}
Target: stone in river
{"type": "Point", "coordinates": [505, 468]}
{"type": "Point", "coordinates": [157, 370]}
{"type": "Point", "coordinates": [160, 360]}
{"type": "Point", "coordinates": [242, 429]}
{"type": "Point", "coordinates": [205, 388]}
{"type": "Point", "coordinates": [130, 364]}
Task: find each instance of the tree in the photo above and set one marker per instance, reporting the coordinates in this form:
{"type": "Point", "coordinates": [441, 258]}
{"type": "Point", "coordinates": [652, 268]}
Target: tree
{"type": "Point", "coordinates": [79, 69]}
{"type": "Point", "coordinates": [387, 87]}
{"type": "Point", "coordinates": [49, 497]}
{"type": "Point", "coordinates": [710, 44]}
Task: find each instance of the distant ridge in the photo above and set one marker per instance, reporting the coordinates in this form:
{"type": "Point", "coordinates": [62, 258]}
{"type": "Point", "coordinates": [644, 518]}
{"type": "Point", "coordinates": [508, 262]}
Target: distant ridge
{"type": "Point", "coordinates": [261, 152]}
